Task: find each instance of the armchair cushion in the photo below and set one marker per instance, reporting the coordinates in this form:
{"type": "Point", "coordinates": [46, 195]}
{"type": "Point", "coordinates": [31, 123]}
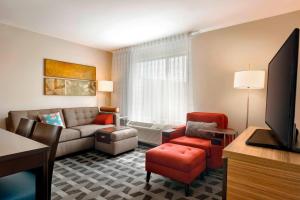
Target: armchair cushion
{"type": "Point", "coordinates": [194, 142]}
{"type": "Point", "coordinates": [199, 129]}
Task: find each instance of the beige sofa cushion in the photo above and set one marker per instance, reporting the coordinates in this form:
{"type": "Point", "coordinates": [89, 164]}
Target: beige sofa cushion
{"type": "Point", "coordinates": [90, 129]}
{"type": "Point", "coordinates": [69, 134]}
{"type": "Point", "coordinates": [15, 116]}
{"type": "Point", "coordinates": [80, 116]}
{"type": "Point", "coordinates": [123, 134]}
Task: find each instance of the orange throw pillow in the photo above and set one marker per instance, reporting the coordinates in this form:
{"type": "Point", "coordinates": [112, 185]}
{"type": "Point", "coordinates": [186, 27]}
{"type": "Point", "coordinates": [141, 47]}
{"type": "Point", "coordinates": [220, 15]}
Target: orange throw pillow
{"type": "Point", "coordinates": [104, 119]}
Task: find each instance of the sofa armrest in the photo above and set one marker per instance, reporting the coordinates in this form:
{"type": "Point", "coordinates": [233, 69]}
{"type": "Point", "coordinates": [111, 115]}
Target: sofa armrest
{"type": "Point", "coordinates": [173, 133]}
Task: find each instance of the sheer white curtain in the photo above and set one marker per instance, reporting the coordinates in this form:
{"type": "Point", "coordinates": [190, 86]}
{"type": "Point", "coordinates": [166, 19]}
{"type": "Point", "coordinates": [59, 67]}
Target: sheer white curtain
{"type": "Point", "coordinates": [153, 80]}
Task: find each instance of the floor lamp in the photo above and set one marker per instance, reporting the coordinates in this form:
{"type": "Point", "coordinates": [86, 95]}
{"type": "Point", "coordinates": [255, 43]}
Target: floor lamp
{"type": "Point", "coordinates": [107, 87]}
{"type": "Point", "coordinates": [249, 80]}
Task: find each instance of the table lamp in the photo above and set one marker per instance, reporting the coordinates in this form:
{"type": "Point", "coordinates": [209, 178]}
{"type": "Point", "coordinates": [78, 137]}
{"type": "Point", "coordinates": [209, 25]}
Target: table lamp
{"type": "Point", "coordinates": [249, 80]}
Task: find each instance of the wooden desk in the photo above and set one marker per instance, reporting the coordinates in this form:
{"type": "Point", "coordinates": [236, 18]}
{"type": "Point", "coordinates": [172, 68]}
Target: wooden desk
{"type": "Point", "coordinates": [18, 154]}
{"type": "Point", "coordinates": [261, 173]}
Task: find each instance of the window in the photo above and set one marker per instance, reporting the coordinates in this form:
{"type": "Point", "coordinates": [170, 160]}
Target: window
{"type": "Point", "coordinates": [159, 90]}
{"type": "Point", "coordinates": [154, 77]}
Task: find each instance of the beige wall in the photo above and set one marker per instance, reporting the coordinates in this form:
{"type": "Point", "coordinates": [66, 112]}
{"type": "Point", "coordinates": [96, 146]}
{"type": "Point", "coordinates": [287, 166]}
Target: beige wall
{"type": "Point", "coordinates": [21, 70]}
{"type": "Point", "coordinates": [216, 55]}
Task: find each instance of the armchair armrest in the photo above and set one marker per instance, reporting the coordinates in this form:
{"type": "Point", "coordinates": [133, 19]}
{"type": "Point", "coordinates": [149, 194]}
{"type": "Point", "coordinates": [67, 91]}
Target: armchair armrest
{"type": "Point", "coordinates": [167, 133]}
{"type": "Point", "coordinates": [173, 133]}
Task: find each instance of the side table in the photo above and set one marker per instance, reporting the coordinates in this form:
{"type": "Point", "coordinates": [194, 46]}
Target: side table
{"type": "Point", "coordinates": [123, 120]}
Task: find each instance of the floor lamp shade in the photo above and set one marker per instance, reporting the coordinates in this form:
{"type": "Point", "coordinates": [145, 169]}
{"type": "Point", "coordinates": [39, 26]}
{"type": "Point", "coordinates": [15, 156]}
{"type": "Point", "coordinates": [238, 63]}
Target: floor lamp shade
{"type": "Point", "coordinates": [249, 79]}
{"type": "Point", "coordinates": [105, 86]}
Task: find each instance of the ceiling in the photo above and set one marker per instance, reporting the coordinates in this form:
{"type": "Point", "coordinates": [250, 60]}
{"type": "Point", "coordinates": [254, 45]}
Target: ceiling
{"type": "Point", "coordinates": [112, 24]}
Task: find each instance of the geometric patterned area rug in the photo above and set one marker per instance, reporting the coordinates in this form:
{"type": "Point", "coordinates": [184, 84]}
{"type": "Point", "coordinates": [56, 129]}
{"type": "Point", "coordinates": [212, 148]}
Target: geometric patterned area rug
{"type": "Point", "coordinates": [95, 175]}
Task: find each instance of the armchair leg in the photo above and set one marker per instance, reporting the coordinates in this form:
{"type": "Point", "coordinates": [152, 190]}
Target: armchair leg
{"type": "Point", "coordinates": [202, 176]}
{"type": "Point", "coordinates": [148, 177]}
{"type": "Point", "coordinates": [187, 189]}
{"type": "Point", "coordinates": [206, 172]}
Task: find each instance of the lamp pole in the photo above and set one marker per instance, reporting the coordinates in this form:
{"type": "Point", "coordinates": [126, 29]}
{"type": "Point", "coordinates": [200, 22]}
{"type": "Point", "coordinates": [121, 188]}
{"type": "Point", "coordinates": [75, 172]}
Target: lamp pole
{"type": "Point", "coordinates": [247, 118]}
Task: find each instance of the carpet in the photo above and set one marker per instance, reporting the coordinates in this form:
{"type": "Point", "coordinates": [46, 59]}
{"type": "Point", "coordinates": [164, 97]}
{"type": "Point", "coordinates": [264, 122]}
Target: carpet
{"type": "Point", "coordinates": [95, 175]}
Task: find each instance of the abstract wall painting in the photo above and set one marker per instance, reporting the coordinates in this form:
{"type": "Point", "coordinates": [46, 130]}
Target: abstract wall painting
{"type": "Point", "coordinates": [60, 69]}
{"type": "Point", "coordinates": [69, 79]}
{"type": "Point", "coordinates": [53, 86]}
{"type": "Point", "coordinates": [80, 88]}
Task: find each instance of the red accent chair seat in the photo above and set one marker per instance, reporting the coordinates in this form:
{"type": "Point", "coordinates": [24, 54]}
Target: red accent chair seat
{"type": "Point", "coordinates": [213, 152]}
{"type": "Point", "coordinates": [181, 163]}
{"type": "Point", "coordinates": [194, 142]}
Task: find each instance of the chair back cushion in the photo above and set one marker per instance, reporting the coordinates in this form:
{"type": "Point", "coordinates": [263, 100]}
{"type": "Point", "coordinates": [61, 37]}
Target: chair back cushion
{"type": "Point", "coordinates": [80, 116]}
{"type": "Point", "coordinates": [48, 135]}
{"type": "Point", "coordinates": [25, 127]}
{"type": "Point", "coordinates": [219, 118]}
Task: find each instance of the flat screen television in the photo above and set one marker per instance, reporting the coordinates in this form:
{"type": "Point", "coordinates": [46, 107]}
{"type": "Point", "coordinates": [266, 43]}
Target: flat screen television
{"type": "Point", "coordinates": [281, 97]}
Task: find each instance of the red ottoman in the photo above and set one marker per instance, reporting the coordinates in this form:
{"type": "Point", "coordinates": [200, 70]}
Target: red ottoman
{"type": "Point", "coordinates": [178, 162]}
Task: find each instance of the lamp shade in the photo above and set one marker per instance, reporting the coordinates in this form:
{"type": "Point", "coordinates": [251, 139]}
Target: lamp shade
{"type": "Point", "coordinates": [105, 86]}
{"type": "Point", "coordinates": [249, 79]}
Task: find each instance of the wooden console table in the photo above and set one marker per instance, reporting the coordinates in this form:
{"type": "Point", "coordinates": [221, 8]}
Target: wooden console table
{"type": "Point", "coordinates": [260, 173]}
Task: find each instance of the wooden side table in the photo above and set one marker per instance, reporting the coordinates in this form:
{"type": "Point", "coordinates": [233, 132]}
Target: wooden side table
{"type": "Point", "coordinates": [123, 120]}
{"type": "Point", "coordinates": [224, 132]}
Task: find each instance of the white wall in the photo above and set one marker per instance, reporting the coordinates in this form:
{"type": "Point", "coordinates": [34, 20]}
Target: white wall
{"type": "Point", "coordinates": [21, 70]}
{"type": "Point", "coordinates": [216, 55]}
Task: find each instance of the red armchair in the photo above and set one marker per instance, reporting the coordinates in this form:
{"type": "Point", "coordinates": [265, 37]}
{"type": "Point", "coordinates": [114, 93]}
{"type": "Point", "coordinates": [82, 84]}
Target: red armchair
{"type": "Point", "coordinates": [213, 151]}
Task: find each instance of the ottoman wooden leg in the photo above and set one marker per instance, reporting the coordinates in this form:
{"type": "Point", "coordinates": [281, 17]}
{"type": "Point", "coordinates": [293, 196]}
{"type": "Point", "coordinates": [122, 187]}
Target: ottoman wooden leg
{"type": "Point", "coordinates": [206, 172]}
{"type": "Point", "coordinates": [187, 190]}
{"type": "Point", "coordinates": [148, 177]}
{"type": "Point", "coordinates": [202, 176]}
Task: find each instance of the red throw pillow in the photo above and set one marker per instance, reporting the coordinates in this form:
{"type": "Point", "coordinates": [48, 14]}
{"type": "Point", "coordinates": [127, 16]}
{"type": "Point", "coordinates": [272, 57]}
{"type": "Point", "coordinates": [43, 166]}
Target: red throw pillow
{"type": "Point", "coordinates": [104, 119]}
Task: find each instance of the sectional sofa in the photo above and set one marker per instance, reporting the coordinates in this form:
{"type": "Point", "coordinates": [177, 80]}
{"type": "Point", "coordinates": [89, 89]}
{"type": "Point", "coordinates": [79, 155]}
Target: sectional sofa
{"type": "Point", "coordinates": [79, 132]}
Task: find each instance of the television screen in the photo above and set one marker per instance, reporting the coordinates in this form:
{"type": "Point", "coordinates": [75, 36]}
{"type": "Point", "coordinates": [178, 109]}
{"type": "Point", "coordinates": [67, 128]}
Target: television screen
{"type": "Point", "coordinates": [281, 90]}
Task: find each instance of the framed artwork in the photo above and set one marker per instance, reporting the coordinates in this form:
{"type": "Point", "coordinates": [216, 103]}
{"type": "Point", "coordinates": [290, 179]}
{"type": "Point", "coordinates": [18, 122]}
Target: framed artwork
{"type": "Point", "coordinates": [60, 69]}
{"type": "Point", "coordinates": [80, 88]}
{"type": "Point", "coordinates": [53, 86]}
{"type": "Point", "coordinates": [69, 79]}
